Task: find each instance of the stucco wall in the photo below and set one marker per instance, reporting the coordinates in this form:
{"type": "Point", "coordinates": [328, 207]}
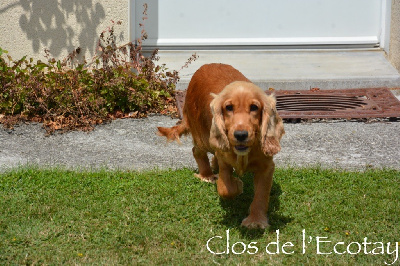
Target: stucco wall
{"type": "Point", "coordinates": [394, 48]}
{"type": "Point", "coordinates": [27, 26]}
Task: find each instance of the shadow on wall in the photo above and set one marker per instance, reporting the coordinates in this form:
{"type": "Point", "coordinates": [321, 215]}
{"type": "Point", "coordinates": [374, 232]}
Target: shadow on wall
{"type": "Point", "coordinates": [48, 24]}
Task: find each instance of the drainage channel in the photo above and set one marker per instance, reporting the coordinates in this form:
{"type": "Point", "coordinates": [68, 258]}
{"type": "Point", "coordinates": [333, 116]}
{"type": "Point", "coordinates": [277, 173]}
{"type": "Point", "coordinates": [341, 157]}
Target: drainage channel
{"type": "Point", "coordinates": [344, 103]}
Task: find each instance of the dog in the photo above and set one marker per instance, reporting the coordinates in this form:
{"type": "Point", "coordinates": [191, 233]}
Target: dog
{"type": "Point", "coordinates": [232, 118]}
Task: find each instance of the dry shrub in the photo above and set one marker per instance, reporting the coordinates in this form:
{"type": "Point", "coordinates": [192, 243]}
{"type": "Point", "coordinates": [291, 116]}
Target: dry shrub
{"type": "Point", "coordinates": [119, 81]}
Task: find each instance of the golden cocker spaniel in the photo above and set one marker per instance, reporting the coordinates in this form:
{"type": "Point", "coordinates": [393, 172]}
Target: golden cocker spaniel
{"type": "Point", "coordinates": [236, 121]}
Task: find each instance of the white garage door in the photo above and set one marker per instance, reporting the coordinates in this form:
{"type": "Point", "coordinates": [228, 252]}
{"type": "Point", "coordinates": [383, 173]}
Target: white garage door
{"type": "Point", "coordinates": [262, 22]}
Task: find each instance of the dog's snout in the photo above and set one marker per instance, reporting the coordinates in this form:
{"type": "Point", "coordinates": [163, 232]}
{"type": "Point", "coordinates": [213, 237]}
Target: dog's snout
{"type": "Point", "coordinates": [241, 135]}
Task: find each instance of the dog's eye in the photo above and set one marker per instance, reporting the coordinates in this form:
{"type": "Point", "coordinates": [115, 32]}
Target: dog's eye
{"type": "Point", "coordinates": [229, 108]}
{"type": "Point", "coordinates": [253, 107]}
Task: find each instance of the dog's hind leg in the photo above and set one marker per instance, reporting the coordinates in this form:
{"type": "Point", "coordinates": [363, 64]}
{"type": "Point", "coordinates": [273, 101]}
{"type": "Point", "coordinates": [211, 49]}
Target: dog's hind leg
{"type": "Point", "coordinates": [214, 164]}
{"type": "Point", "coordinates": [205, 172]}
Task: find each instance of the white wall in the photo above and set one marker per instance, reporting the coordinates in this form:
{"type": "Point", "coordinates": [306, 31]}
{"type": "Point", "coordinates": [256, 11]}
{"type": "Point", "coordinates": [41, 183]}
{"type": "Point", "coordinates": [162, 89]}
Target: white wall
{"type": "Point", "coordinates": [27, 26]}
{"type": "Point", "coordinates": [394, 52]}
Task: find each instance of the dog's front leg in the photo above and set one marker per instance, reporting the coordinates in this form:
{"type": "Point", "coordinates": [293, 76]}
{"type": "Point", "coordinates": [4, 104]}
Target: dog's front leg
{"type": "Point", "coordinates": [228, 186]}
{"type": "Point", "coordinates": [262, 188]}
{"type": "Point", "coordinates": [205, 172]}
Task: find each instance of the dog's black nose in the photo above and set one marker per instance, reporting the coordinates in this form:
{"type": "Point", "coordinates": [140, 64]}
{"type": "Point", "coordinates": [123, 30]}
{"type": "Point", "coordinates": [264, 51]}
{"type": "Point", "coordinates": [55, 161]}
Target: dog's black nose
{"type": "Point", "coordinates": [241, 135]}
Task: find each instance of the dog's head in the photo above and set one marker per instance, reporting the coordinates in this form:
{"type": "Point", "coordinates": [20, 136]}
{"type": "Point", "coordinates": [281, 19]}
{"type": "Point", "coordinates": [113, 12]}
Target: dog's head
{"type": "Point", "coordinates": [244, 116]}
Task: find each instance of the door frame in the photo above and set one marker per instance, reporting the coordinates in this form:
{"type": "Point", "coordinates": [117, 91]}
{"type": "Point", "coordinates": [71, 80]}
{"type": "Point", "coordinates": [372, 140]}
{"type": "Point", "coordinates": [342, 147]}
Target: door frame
{"type": "Point", "coordinates": [277, 43]}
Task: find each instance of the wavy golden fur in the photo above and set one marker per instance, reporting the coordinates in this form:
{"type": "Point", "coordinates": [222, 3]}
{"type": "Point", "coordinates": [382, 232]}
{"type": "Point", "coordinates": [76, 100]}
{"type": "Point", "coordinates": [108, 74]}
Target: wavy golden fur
{"type": "Point", "coordinates": [235, 120]}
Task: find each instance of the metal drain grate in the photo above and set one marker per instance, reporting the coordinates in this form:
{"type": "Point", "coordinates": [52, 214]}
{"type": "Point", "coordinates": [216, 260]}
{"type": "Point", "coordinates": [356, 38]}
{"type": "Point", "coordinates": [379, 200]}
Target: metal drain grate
{"type": "Point", "coordinates": [312, 102]}
{"type": "Point", "coordinates": [348, 103]}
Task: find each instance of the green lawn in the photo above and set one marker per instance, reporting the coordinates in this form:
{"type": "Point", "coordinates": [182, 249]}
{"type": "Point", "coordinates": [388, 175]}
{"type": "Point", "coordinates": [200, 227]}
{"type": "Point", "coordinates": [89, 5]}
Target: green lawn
{"type": "Point", "coordinates": [168, 217]}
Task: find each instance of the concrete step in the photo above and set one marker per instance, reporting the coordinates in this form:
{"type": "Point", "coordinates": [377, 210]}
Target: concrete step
{"type": "Point", "coordinates": [294, 69]}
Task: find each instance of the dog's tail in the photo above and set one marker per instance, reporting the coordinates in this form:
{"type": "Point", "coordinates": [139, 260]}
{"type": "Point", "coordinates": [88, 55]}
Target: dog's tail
{"type": "Point", "coordinates": [175, 132]}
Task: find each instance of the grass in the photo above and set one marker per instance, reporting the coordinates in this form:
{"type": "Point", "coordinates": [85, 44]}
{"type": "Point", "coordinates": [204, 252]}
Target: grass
{"type": "Point", "coordinates": [166, 217]}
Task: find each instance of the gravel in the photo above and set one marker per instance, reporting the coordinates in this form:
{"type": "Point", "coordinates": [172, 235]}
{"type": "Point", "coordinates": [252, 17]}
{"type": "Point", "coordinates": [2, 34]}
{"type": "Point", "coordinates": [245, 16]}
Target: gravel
{"type": "Point", "coordinates": [131, 144]}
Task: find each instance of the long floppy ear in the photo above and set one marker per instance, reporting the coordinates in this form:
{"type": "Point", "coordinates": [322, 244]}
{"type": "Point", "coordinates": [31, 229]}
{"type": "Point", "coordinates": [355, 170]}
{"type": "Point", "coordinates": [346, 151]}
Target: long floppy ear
{"type": "Point", "coordinates": [271, 127]}
{"type": "Point", "coordinates": [218, 138]}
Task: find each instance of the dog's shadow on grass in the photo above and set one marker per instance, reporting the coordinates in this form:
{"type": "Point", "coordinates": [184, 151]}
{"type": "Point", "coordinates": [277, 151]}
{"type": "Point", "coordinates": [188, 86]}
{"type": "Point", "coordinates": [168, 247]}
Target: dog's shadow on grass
{"type": "Point", "coordinates": [237, 209]}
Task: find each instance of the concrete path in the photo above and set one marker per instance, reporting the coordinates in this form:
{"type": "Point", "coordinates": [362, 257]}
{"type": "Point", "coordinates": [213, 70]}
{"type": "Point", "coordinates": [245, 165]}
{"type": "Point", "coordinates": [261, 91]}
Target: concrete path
{"type": "Point", "coordinates": [131, 144]}
{"type": "Point", "coordinates": [295, 69]}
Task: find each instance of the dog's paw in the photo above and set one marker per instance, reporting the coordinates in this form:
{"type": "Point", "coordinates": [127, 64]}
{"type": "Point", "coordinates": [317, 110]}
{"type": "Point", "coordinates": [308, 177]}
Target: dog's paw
{"type": "Point", "coordinates": [209, 179]}
{"type": "Point", "coordinates": [255, 222]}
